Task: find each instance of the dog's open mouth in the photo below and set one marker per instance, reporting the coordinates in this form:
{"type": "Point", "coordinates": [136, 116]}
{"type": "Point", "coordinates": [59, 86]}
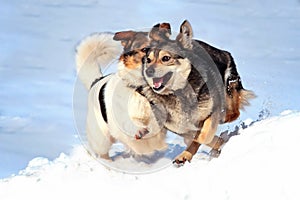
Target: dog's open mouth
{"type": "Point", "coordinates": [159, 83]}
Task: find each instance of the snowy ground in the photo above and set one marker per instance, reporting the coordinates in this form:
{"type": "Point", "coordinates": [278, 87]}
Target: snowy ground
{"type": "Point", "coordinates": [260, 163]}
{"type": "Point", "coordinates": [37, 78]}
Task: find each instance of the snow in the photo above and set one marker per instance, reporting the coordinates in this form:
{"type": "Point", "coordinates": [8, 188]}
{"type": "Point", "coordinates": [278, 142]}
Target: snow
{"type": "Point", "coordinates": [259, 163]}
{"type": "Point", "coordinates": [37, 79]}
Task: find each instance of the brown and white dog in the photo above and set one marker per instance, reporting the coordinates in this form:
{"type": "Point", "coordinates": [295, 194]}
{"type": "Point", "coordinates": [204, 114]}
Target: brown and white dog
{"type": "Point", "coordinates": [114, 106]}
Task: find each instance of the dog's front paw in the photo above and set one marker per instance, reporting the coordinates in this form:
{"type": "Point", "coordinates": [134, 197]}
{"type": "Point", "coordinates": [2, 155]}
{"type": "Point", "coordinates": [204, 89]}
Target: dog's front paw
{"type": "Point", "coordinates": [141, 133]}
{"type": "Point", "coordinates": [182, 158]}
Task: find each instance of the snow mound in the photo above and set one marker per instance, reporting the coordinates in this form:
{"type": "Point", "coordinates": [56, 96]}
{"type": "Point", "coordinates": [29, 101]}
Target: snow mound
{"type": "Point", "coordinates": [262, 162]}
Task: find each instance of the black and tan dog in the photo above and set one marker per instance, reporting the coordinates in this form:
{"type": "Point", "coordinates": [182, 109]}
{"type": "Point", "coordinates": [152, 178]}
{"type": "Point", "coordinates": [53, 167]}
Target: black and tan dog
{"type": "Point", "coordinates": [198, 85]}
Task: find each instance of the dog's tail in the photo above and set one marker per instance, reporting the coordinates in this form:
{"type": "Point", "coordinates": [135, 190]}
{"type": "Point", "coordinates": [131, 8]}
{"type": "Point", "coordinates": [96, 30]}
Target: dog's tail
{"type": "Point", "coordinates": [93, 53]}
{"type": "Point", "coordinates": [246, 96]}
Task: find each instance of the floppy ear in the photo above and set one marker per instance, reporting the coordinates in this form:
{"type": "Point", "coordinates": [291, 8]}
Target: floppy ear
{"type": "Point", "coordinates": [124, 36]}
{"type": "Point", "coordinates": [185, 37]}
{"type": "Point", "coordinates": [160, 32]}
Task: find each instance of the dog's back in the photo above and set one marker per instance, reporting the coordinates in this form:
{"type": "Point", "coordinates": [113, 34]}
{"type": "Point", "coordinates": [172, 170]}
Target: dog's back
{"type": "Point", "coordinates": [236, 96]}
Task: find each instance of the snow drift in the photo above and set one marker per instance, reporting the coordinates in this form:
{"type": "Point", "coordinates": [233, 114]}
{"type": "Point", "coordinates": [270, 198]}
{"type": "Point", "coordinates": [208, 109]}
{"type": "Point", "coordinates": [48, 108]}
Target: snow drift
{"type": "Point", "coordinates": [262, 162]}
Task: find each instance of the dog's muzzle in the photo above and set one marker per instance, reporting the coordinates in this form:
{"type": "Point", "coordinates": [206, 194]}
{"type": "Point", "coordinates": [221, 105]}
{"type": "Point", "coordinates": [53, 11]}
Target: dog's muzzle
{"type": "Point", "coordinates": [160, 83]}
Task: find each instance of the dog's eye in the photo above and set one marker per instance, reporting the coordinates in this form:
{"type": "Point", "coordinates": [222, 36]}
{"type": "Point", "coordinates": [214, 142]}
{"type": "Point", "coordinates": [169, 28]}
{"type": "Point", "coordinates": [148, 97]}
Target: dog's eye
{"type": "Point", "coordinates": [145, 50]}
{"type": "Point", "coordinates": [166, 58]}
{"type": "Point", "coordinates": [130, 53]}
{"type": "Point", "coordinates": [148, 60]}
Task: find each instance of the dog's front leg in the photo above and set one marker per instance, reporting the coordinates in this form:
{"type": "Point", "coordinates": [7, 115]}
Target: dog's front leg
{"type": "Point", "coordinates": [206, 135]}
{"type": "Point", "coordinates": [149, 117]}
{"type": "Point", "coordinates": [139, 110]}
{"type": "Point", "coordinates": [187, 154]}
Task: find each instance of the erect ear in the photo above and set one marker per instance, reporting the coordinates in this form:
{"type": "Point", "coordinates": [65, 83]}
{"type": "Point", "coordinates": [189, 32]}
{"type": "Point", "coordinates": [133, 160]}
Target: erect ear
{"type": "Point", "coordinates": [185, 37]}
{"type": "Point", "coordinates": [160, 32]}
{"type": "Point", "coordinates": [125, 37]}
{"type": "Point", "coordinates": [165, 29]}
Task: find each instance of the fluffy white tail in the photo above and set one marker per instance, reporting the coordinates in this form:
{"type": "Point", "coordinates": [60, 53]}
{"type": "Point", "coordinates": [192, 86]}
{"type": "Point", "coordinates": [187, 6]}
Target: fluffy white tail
{"type": "Point", "coordinates": [93, 53]}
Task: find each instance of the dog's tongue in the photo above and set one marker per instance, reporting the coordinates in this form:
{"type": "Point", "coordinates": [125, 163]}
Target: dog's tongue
{"type": "Point", "coordinates": [157, 82]}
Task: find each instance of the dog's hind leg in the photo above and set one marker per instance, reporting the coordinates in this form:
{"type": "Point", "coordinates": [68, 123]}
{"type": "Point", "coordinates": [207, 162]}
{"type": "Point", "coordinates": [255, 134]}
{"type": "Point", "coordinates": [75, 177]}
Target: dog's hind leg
{"type": "Point", "coordinates": [99, 145]}
{"type": "Point", "coordinates": [98, 134]}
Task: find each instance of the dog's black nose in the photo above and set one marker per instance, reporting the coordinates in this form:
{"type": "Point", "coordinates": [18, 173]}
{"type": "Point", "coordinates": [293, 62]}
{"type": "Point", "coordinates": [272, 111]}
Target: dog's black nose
{"type": "Point", "coordinates": [150, 71]}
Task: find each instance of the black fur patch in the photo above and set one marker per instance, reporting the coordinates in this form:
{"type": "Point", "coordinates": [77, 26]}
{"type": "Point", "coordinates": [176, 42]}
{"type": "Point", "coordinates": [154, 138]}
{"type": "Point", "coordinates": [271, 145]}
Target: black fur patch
{"type": "Point", "coordinates": [221, 58]}
{"type": "Point", "coordinates": [102, 102]}
{"type": "Point", "coordinates": [97, 80]}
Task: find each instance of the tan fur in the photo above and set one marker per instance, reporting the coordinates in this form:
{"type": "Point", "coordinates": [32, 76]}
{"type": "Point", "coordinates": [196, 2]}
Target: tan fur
{"type": "Point", "coordinates": [205, 136]}
{"type": "Point", "coordinates": [133, 62]}
{"type": "Point", "coordinates": [245, 96]}
{"type": "Point", "coordinates": [183, 157]}
{"type": "Point", "coordinates": [235, 102]}
{"type": "Point", "coordinates": [216, 143]}
{"type": "Point", "coordinates": [207, 131]}
{"type": "Point", "coordinates": [180, 68]}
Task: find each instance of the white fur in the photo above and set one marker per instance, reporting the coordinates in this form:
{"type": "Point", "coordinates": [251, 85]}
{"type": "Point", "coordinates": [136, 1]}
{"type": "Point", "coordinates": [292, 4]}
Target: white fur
{"type": "Point", "coordinates": [131, 76]}
{"type": "Point", "coordinates": [93, 53]}
{"type": "Point", "coordinates": [97, 130]}
{"type": "Point", "coordinates": [119, 109]}
{"type": "Point", "coordinates": [97, 51]}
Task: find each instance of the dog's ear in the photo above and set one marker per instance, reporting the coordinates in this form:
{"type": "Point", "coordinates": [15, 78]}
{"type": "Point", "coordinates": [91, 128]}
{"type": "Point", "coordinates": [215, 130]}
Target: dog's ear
{"type": "Point", "coordinates": [185, 37]}
{"type": "Point", "coordinates": [165, 29]}
{"type": "Point", "coordinates": [125, 37]}
{"type": "Point", "coordinates": [160, 32]}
